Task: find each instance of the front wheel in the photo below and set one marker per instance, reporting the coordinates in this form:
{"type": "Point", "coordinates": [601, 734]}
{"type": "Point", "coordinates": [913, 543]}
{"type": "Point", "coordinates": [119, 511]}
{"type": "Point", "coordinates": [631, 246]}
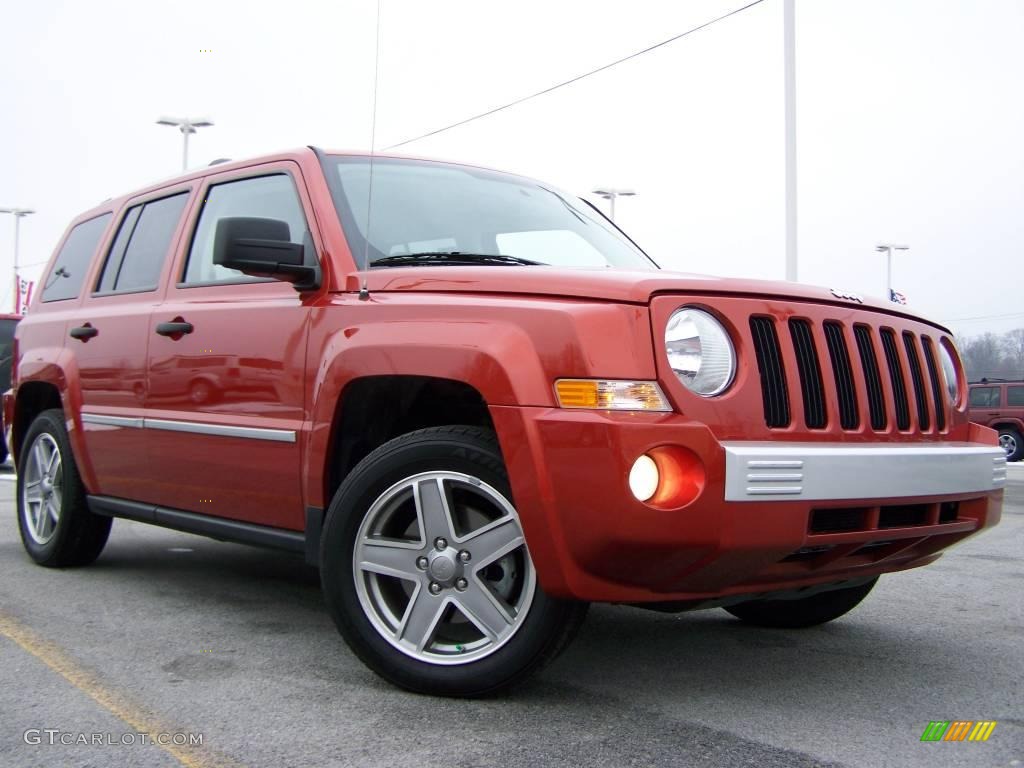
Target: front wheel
{"type": "Point", "coordinates": [804, 612]}
{"type": "Point", "coordinates": [426, 572]}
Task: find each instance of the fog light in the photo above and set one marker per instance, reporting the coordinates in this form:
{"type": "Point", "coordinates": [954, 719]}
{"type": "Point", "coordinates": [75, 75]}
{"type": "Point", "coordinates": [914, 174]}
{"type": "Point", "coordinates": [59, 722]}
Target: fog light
{"type": "Point", "coordinates": [644, 478]}
{"type": "Point", "coordinates": [667, 477]}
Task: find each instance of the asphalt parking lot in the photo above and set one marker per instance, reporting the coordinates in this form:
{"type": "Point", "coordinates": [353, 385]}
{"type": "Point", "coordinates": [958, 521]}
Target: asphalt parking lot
{"type": "Point", "coordinates": [169, 633]}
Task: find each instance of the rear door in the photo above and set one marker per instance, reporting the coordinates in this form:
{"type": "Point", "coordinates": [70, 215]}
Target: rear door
{"type": "Point", "coordinates": [225, 402]}
{"type": "Point", "coordinates": [109, 335]}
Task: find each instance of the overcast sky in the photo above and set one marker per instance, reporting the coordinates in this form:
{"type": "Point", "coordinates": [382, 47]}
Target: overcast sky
{"type": "Point", "coordinates": [910, 120]}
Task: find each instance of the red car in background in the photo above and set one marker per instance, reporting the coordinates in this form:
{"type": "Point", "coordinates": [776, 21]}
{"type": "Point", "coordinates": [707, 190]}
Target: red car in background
{"type": "Point", "coordinates": [8, 324]}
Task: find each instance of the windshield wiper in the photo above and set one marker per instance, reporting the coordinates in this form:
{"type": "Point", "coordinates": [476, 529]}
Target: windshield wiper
{"type": "Point", "coordinates": [450, 257]}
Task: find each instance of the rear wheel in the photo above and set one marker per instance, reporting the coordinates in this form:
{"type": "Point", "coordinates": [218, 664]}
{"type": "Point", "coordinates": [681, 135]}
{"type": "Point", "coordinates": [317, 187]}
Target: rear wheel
{"type": "Point", "coordinates": [1012, 443]}
{"type": "Point", "coordinates": [426, 572]}
{"type": "Point", "coordinates": [803, 612]}
{"type": "Point", "coordinates": [57, 528]}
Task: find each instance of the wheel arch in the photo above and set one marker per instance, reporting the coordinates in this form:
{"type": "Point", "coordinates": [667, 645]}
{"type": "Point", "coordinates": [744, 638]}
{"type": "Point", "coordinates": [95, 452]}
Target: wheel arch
{"type": "Point", "coordinates": [373, 409]}
{"type": "Point", "coordinates": [32, 398]}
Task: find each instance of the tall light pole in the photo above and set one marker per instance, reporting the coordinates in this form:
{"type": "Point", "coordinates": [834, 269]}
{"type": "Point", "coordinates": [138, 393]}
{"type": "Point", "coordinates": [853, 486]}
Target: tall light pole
{"type": "Point", "coordinates": [887, 249]}
{"type": "Point", "coordinates": [186, 125]}
{"type": "Point", "coordinates": [789, 79]}
{"type": "Point", "coordinates": [18, 214]}
{"type": "Point", "coordinates": [609, 194]}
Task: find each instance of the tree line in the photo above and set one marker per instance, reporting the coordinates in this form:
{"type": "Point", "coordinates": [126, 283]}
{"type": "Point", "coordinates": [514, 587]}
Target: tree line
{"type": "Point", "coordinates": [993, 356]}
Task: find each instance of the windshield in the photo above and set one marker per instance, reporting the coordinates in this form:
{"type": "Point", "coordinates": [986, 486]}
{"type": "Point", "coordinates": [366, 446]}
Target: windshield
{"type": "Point", "coordinates": [427, 208]}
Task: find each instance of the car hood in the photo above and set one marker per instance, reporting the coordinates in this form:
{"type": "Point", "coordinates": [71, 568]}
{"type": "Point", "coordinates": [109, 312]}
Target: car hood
{"type": "Point", "coordinates": [636, 287]}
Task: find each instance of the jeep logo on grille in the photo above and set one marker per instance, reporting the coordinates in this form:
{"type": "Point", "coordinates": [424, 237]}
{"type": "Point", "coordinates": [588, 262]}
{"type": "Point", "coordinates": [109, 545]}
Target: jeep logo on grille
{"type": "Point", "coordinates": [850, 296]}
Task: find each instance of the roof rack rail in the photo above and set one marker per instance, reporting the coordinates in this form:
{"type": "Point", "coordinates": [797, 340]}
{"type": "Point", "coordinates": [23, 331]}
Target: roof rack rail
{"type": "Point", "coordinates": [220, 160]}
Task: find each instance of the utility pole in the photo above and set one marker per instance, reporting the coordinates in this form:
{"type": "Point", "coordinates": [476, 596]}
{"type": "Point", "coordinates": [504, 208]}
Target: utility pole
{"type": "Point", "coordinates": [18, 214]}
{"type": "Point", "coordinates": [789, 76]}
{"type": "Point", "coordinates": [186, 125]}
{"type": "Point", "coordinates": [609, 194]}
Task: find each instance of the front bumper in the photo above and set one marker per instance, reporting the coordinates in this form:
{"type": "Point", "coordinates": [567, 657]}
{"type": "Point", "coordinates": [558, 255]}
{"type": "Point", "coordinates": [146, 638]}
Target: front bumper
{"type": "Point", "coordinates": [834, 471]}
{"type": "Point", "coordinates": [771, 515]}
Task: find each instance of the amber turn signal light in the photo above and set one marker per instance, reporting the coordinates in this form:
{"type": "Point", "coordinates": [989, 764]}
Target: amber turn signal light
{"type": "Point", "coordinates": [607, 395]}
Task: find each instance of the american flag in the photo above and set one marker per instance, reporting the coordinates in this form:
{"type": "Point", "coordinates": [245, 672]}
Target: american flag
{"type": "Point", "coordinates": [897, 297]}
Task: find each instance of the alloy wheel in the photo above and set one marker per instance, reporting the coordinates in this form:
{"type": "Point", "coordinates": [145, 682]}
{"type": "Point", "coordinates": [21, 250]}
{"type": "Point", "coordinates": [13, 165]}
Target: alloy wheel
{"type": "Point", "coordinates": [42, 491]}
{"type": "Point", "coordinates": [441, 568]}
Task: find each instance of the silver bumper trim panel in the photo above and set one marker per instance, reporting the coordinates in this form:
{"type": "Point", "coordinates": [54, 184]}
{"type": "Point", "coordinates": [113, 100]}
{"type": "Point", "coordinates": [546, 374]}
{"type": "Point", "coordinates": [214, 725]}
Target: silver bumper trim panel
{"type": "Point", "coordinates": [757, 471]}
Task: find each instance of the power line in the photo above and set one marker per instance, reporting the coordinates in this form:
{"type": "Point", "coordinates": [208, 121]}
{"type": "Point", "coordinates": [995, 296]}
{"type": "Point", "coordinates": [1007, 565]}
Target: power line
{"type": "Point", "coordinates": [577, 78]}
{"type": "Point", "coordinates": [985, 317]}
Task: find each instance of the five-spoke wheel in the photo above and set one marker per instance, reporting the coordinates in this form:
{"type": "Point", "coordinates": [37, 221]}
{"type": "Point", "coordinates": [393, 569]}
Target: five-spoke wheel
{"type": "Point", "coordinates": [426, 571]}
{"type": "Point", "coordinates": [41, 490]}
{"type": "Point", "coordinates": [57, 527]}
{"type": "Point", "coordinates": [441, 567]}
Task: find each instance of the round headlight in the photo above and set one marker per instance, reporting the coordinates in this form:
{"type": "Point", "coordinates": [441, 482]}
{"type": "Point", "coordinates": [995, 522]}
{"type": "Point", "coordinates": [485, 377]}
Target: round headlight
{"type": "Point", "coordinates": [949, 373]}
{"type": "Point", "coordinates": [700, 351]}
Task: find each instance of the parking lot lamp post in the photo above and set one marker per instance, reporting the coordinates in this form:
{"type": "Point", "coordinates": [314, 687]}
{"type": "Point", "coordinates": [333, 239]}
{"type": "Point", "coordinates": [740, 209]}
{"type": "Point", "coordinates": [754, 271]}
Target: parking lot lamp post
{"type": "Point", "coordinates": [18, 213]}
{"type": "Point", "coordinates": [609, 194]}
{"type": "Point", "coordinates": [186, 125]}
{"type": "Point", "coordinates": [887, 249]}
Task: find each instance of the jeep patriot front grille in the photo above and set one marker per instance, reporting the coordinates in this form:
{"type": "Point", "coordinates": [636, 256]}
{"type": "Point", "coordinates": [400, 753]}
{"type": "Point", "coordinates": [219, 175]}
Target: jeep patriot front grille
{"type": "Point", "coordinates": [853, 375]}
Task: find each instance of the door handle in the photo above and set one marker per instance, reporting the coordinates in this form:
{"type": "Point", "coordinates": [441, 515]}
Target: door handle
{"type": "Point", "coordinates": [83, 332]}
{"type": "Point", "coordinates": [174, 328]}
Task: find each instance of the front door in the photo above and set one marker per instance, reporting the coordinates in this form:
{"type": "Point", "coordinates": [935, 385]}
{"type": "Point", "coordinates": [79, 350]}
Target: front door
{"type": "Point", "coordinates": [226, 370]}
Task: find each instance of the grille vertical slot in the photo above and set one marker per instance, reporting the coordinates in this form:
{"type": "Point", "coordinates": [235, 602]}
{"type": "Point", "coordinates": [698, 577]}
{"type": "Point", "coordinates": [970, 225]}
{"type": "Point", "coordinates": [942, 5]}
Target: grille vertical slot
{"type": "Point", "coordinates": [849, 416]}
{"type": "Point", "coordinates": [811, 387]}
{"type": "Point", "coordinates": [774, 391]}
{"type": "Point", "coordinates": [872, 378]}
{"type": "Point", "coordinates": [899, 386]}
{"type": "Point", "coordinates": [933, 374]}
{"type": "Point", "coordinates": [923, 417]}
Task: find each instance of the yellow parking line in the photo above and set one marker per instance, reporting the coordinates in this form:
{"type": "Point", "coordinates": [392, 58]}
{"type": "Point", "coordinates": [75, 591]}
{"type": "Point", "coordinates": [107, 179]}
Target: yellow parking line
{"type": "Point", "coordinates": [140, 721]}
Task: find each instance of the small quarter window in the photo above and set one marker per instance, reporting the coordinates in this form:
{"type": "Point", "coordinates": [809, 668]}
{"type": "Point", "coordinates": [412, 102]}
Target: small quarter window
{"type": "Point", "coordinates": [1015, 396]}
{"type": "Point", "coordinates": [69, 268]}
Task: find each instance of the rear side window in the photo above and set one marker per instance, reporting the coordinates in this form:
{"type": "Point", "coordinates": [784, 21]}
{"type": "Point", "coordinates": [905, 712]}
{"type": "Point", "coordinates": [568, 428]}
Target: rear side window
{"type": "Point", "coordinates": [263, 197]}
{"type": "Point", "coordinates": [1015, 395]}
{"type": "Point", "coordinates": [71, 264]}
{"type": "Point", "coordinates": [141, 246]}
{"type": "Point", "coordinates": [984, 397]}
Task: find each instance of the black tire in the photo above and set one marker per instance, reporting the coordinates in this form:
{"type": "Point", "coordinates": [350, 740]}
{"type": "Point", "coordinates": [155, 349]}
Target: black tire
{"type": "Point", "coordinates": [79, 535]}
{"type": "Point", "coordinates": [804, 612]}
{"type": "Point", "coordinates": [546, 628]}
{"type": "Point", "coordinates": [1015, 449]}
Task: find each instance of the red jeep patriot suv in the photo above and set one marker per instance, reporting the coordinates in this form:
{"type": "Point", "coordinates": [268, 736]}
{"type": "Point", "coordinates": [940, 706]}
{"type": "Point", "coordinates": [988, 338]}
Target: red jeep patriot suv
{"type": "Point", "coordinates": [477, 405]}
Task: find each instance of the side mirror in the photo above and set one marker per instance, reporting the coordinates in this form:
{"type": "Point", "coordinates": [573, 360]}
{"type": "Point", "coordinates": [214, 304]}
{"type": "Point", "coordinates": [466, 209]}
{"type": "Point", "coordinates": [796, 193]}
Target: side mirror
{"type": "Point", "coordinates": [263, 248]}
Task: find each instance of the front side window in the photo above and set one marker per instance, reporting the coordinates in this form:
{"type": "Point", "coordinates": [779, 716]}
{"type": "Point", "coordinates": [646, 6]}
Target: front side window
{"type": "Point", "coordinates": [443, 213]}
{"type": "Point", "coordinates": [263, 197]}
{"type": "Point", "coordinates": [69, 268]}
{"type": "Point", "coordinates": [143, 241]}
{"type": "Point", "coordinates": [984, 397]}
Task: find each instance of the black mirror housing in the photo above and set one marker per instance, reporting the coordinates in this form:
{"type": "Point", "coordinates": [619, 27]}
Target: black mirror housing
{"type": "Point", "coordinates": [263, 248]}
